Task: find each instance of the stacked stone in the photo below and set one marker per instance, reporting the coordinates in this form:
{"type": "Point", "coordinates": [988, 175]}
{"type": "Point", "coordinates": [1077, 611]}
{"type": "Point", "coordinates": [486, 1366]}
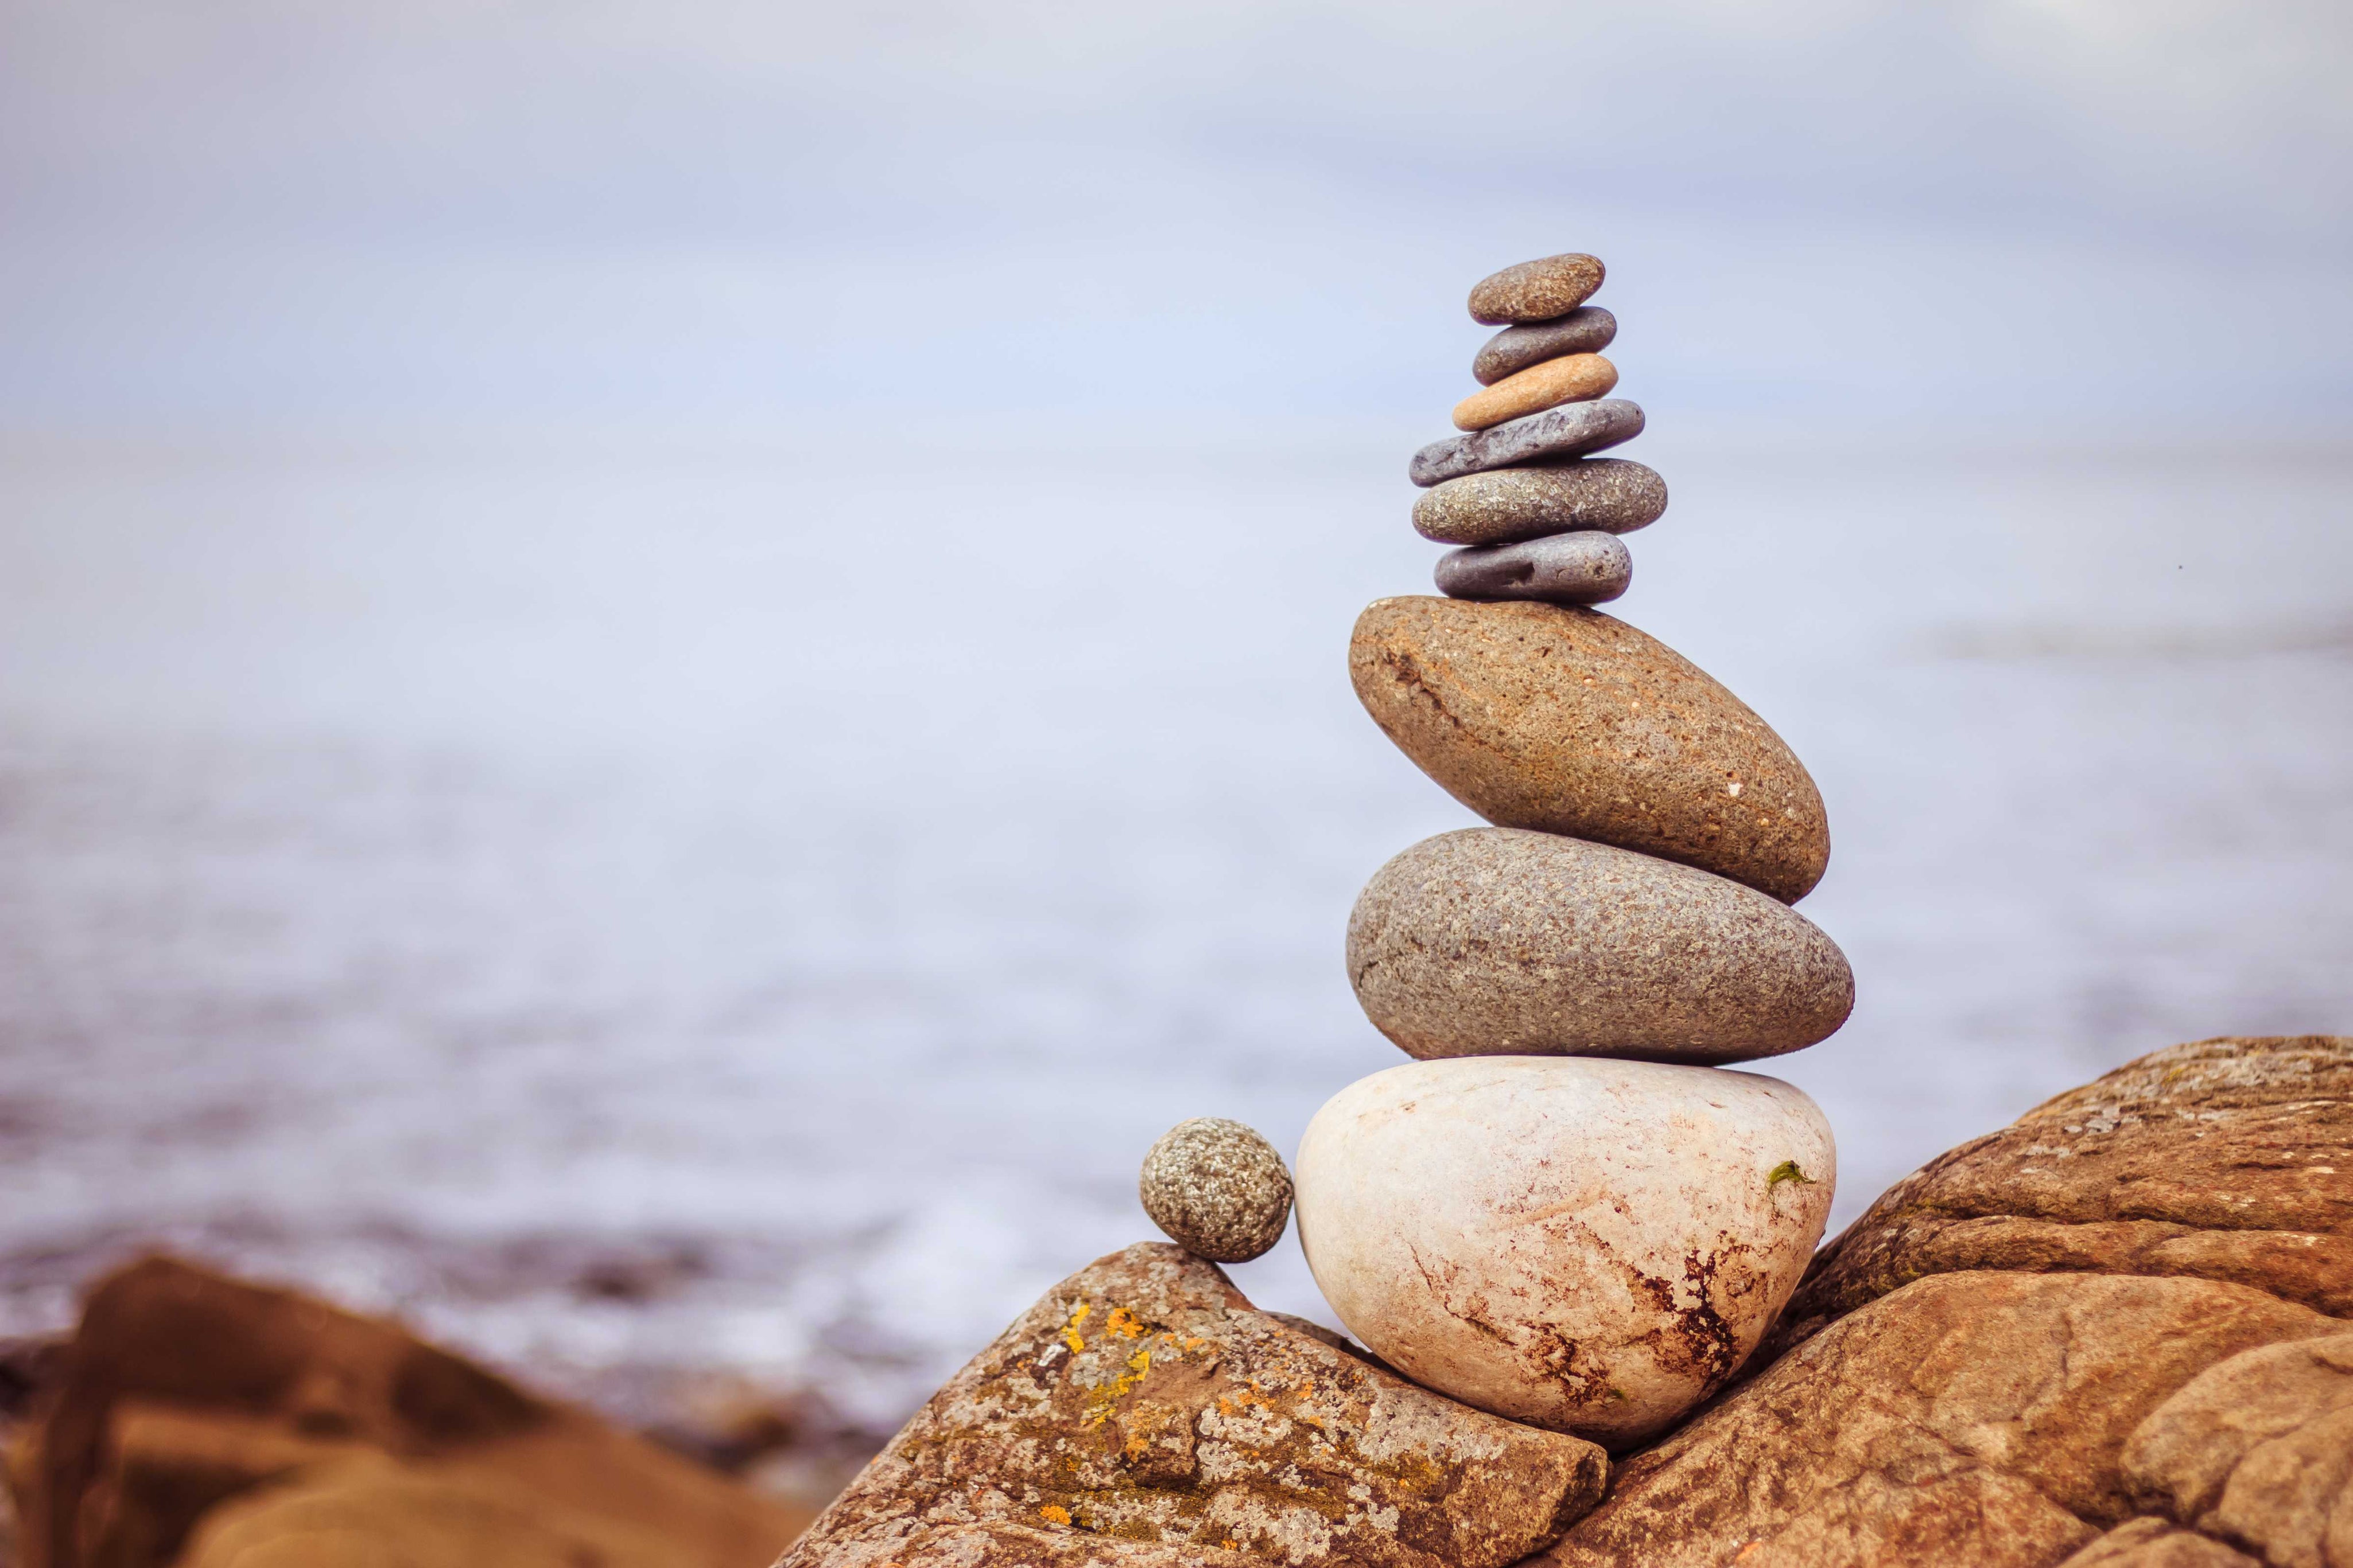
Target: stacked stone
{"type": "Point", "coordinates": [1566, 1210]}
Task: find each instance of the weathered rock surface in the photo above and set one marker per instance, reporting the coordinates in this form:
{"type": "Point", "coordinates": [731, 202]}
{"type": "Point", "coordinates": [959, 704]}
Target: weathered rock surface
{"type": "Point", "coordinates": [1536, 290]}
{"type": "Point", "coordinates": [211, 1423]}
{"type": "Point", "coordinates": [1216, 1188]}
{"type": "Point", "coordinates": [1569, 431]}
{"type": "Point", "coordinates": [2153, 1544]}
{"type": "Point", "coordinates": [1502, 506]}
{"type": "Point", "coordinates": [1976, 1417]}
{"type": "Point", "coordinates": [1572, 378]}
{"type": "Point", "coordinates": [1589, 1245]}
{"type": "Point", "coordinates": [1566, 569]}
{"type": "Point", "coordinates": [2223, 1159]}
{"type": "Point", "coordinates": [1143, 1413]}
{"type": "Point", "coordinates": [1497, 942]}
{"type": "Point", "coordinates": [1566, 721]}
{"type": "Point", "coordinates": [1587, 330]}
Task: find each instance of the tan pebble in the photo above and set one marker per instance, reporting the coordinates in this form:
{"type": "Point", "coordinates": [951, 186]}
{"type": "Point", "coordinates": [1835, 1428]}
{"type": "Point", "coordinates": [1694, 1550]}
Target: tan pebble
{"type": "Point", "coordinates": [1572, 378]}
{"type": "Point", "coordinates": [1536, 290]}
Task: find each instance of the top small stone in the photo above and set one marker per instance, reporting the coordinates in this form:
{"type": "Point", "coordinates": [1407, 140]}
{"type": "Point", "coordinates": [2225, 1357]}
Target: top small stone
{"type": "Point", "coordinates": [1536, 290]}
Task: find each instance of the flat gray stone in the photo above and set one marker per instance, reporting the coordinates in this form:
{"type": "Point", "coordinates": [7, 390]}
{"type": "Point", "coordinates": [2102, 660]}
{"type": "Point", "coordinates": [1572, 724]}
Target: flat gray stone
{"type": "Point", "coordinates": [1538, 291]}
{"type": "Point", "coordinates": [1503, 505]}
{"type": "Point", "coordinates": [1566, 569]}
{"type": "Point", "coordinates": [1569, 431]}
{"type": "Point", "coordinates": [1587, 330]}
{"type": "Point", "coordinates": [1499, 942]}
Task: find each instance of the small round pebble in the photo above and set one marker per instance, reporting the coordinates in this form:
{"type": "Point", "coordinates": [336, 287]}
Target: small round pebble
{"type": "Point", "coordinates": [1567, 569]}
{"type": "Point", "coordinates": [1504, 505]}
{"type": "Point", "coordinates": [1216, 1188]}
{"type": "Point", "coordinates": [1587, 330]}
{"type": "Point", "coordinates": [1541, 290]}
{"type": "Point", "coordinates": [1572, 378]}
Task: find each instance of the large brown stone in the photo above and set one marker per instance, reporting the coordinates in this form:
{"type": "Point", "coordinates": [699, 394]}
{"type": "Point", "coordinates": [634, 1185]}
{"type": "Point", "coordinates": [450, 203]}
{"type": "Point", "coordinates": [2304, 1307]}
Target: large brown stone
{"type": "Point", "coordinates": [1144, 1414]}
{"type": "Point", "coordinates": [2227, 1158]}
{"type": "Point", "coordinates": [1566, 721]}
{"type": "Point", "coordinates": [1978, 1419]}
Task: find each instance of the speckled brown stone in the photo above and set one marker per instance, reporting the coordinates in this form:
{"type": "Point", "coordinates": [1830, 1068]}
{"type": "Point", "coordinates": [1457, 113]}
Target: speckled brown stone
{"type": "Point", "coordinates": [1496, 941]}
{"type": "Point", "coordinates": [1572, 378]}
{"type": "Point", "coordinates": [1565, 569]}
{"type": "Point", "coordinates": [1587, 330]}
{"type": "Point", "coordinates": [1503, 505]}
{"type": "Point", "coordinates": [1216, 1188]}
{"type": "Point", "coordinates": [1567, 721]}
{"type": "Point", "coordinates": [1144, 1413]}
{"type": "Point", "coordinates": [1536, 290]}
{"type": "Point", "coordinates": [1569, 431]}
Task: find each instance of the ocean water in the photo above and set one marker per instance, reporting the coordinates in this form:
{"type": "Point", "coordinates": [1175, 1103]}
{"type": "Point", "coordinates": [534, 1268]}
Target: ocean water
{"type": "Point", "coordinates": [646, 907]}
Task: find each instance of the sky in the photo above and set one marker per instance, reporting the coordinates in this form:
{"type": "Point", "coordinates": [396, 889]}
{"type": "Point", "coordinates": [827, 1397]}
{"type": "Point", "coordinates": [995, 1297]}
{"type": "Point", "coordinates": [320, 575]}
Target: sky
{"type": "Point", "coordinates": [2016, 215]}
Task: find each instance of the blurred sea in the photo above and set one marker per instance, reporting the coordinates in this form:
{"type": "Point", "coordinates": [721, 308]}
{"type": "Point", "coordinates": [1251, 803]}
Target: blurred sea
{"type": "Point", "coordinates": [648, 906]}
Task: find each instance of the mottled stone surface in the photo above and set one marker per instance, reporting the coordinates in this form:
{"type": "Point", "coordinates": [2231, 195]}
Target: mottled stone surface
{"type": "Point", "coordinates": [1538, 290]}
{"type": "Point", "coordinates": [2153, 1544]}
{"type": "Point", "coordinates": [1502, 506]}
{"type": "Point", "coordinates": [1572, 378]}
{"type": "Point", "coordinates": [1566, 721]}
{"type": "Point", "coordinates": [1587, 330]}
{"type": "Point", "coordinates": [1494, 942]}
{"type": "Point", "coordinates": [1566, 569]}
{"type": "Point", "coordinates": [1980, 1418]}
{"type": "Point", "coordinates": [1216, 1188]}
{"type": "Point", "coordinates": [2226, 1159]}
{"type": "Point", "coordinates": [1145, 1412]}
{"type": "Point", "coordinates": [1569, 431]}
{"type": "Point", "coordinates": [1592, 1246]}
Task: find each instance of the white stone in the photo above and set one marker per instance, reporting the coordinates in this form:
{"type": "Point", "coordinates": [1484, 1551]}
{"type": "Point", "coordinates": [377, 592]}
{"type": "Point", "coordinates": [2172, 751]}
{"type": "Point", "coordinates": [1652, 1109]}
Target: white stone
{"type": "Point", "coordinates": [1584, 1243]}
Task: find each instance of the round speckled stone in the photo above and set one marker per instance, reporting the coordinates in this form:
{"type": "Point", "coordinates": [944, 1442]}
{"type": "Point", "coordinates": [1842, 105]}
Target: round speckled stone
{"type": "Point", "coordinates": [1569, 431]}
{"type": "Point", "coordinates": [1216, 1188]}
{"type": "Point", "coordinates": [1566, 569]}
{"type": "Point", "coordinates": [1587, 330]}
{"type": "Point", "coordinates": [1506, 504]}
{"type": "Point", "coordinates": [1539, 290]}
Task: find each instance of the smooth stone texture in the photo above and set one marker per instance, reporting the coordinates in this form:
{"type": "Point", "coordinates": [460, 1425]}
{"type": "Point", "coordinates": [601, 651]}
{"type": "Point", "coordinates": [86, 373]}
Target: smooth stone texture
{"type": "Point", "coordinates": [1504, 506]}
{"type": "Point", "coordinates": [1496, 941]}
{"type": "Point", "coordinates": [1572, 378]}
{"type": "Point", "coordinates": [1216, 1189]}
{"type": "Point", "coordinates": [1588, 1246]}
{"type": "Point", "coordinates": [1566, 569]}
{"type": "Point", "coordinates": [1587, 330]}
{"type": "Point", "coordinates": [1569, 431]}
{"type": "Point", "coordinates": [1569, 720]}
{"type": "Point", "coordinates": [1538, 290]}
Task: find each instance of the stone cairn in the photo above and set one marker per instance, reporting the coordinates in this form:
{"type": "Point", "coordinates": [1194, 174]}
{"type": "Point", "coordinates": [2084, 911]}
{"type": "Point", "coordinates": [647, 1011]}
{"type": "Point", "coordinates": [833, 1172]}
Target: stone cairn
{"type": "Point", "coordinates": [1565, 1210]}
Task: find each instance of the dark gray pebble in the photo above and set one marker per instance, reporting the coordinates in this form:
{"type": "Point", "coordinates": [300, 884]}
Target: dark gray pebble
{"type": "Point", "coordinates": [1566, 569]}
{"type": "Point", "coordinates": [1587, 330]}
{"type": "Point", "coordinates": [1569, 431]}
{"type": "Point", "coordinates": [1503, 505]}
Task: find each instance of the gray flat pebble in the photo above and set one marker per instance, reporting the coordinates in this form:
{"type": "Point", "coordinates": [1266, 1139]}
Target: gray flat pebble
{"type": "Point", "coordinates": [1566, 569]}
{"type": "Point", "coordinates": [1587, 330]}
{"type": "Point", "coordinates": [1569, 431]}
{"type": "Point", "coordinates": [1503, 505]}
{"type": "Point", "coordinates": [1538, 290]}
{"type": "Point", "coordinates": [1218, 1188]}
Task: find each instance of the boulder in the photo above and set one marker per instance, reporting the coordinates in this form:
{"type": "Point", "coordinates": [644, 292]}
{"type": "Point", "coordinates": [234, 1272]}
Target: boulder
{"type": "Point", "coordinates": [1566, 721]}
{"type": "Point", "coordinates": [1591, 1245]}
{"type": "Point", "coordinates": [1143, 1413]}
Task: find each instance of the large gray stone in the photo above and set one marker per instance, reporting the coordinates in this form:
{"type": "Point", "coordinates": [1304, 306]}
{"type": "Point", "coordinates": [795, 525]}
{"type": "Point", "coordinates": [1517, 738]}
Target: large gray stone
{"type": "Point", "coordinates": [1503, 505]}
{"type": "Point", "coordinates": [1587, 330]}
{"type": "Point", "coordinates": [1496, 941]}
{"type": "Point", "coordinates": [1566, 569]}
{"type": "Point", "coordinates": [1569, 431]}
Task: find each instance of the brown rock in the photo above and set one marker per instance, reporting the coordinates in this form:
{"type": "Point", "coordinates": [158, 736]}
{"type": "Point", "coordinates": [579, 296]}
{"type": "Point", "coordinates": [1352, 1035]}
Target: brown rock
{"type": "Point", "coordinates": [2219, 1160]}
{"type": "Point", "coordinates": [1587, 330]}
{"type": "Point", "coordinates": [1492, 941]}
{"type": "Point", "coordinates": [1536, 290]}
{"type": "Point", "coordinates": [1572, 378]}
{"type": "Point", "coordinates": [1975, 1418]}
{"type": "Point", "coordinates": [2153, 1544]}
{"type": "Point", "coordinates": [1566, 721]}
{"type": "Point", "coordinates": [1143, 1413]}
{"type": "Point", "coordinates": [1502, 506]}
{"type": "Point", "coordinates": [184, 1391]}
